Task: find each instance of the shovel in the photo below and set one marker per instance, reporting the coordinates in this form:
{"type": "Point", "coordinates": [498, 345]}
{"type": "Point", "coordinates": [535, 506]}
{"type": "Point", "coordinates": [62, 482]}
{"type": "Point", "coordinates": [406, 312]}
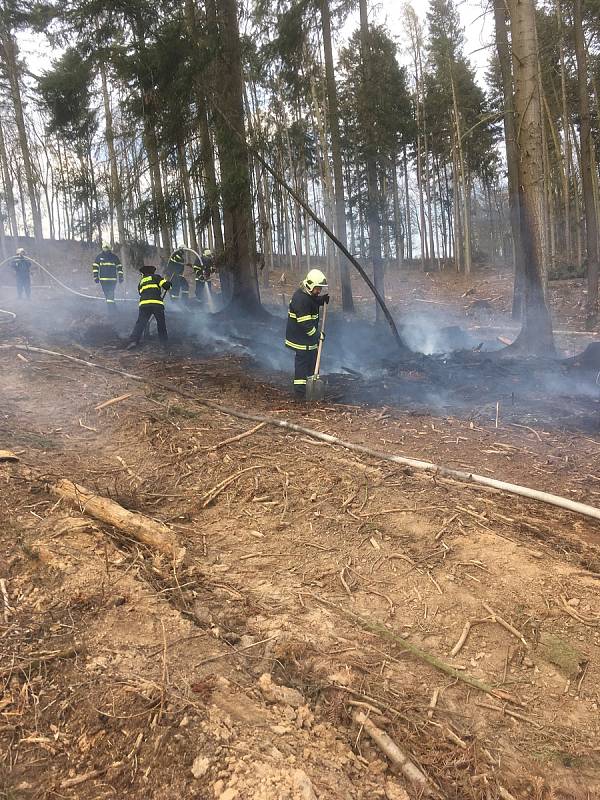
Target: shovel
{"type": "Point", "coordinates": [315, 387]}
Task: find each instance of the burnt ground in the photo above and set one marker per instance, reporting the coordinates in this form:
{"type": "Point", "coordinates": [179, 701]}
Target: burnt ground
{"type": "Point", "coordinates": [170, 691]}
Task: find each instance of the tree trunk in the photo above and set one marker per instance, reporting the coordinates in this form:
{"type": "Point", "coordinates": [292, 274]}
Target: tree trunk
{"type": "Point", "coordinates": [8, 187]}
{"type": "Point", "coordinates": [586, 144]}
{"type": "Point", "coordinates": [536, 333]}
{"type": "Point", "coordinates": [8, 47]}
{"type": "Point", "coordinates": [512, 158]}
{"type": "Point", "coordinates": [373, 201]}
{"type": "Point", "coordinates": [233, 158]}
{"type": "Point", "coordinates": [115, 183]}
{"type": "Point", "coordinates": [336, 153]}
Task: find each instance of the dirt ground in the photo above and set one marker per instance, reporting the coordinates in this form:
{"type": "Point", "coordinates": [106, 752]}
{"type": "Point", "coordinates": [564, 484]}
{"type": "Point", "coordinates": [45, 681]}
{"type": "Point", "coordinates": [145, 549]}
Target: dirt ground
{"type": "Point", "coordinates": [309, 576]}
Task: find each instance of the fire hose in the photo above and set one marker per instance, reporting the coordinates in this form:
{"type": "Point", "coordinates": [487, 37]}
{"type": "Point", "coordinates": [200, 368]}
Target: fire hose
{"type": "Point", "coordinates": [427, 466]}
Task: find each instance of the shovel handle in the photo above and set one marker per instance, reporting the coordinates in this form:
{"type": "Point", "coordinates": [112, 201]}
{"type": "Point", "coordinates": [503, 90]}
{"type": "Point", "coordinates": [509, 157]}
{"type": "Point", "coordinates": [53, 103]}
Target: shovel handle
{"type": "Point", "coordinates": [321, 340]}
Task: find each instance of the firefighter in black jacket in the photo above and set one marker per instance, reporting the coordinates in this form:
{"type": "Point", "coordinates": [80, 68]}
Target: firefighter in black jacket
{"type": "Point", "coordinates": [151, 288]}
{"type": "Point", "coordinates": [107, 269]}
{"type": "Point", "coordinates": [302, 331]}
{"type": "Point", "coordinates": [203, 269]}
{"type": "Point", "coordinates": [175, 267]}
{"type": "Point", "coordinates": [22, 268]}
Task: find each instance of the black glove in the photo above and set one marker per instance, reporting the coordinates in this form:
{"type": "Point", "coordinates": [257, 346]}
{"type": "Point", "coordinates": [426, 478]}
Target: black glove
{"type": "Point", "coordinates": [120, 279]}
{"type": "Point", "coordinates": [325, 299]}
{"type": "Point", "coordinates": [96, 280]}
{"type": "Point", "coordinates": [167, 285]}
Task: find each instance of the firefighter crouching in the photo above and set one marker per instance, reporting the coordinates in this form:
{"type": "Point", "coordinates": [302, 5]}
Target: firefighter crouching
{"type": "Point", "coordinates": [150, 288]}
{"type": "Point", "coordinates": [22, 268]}
{"type": "Point", "coordinates": [302, 331]}
{"type": "Point", "coordinates": [107, 269]}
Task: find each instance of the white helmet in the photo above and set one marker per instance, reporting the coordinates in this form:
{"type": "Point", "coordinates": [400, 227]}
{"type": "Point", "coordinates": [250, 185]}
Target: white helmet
{"type": "Point", "coordinates": [315, 278]}
{"type": "Point", "coordinates": [20, 251]}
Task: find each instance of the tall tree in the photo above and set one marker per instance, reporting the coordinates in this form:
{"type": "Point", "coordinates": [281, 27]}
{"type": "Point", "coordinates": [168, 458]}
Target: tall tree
{"type": "Point", "coordinates": [536, 332]}
{"type": "Point", "coordinates": [338, 175]}
{"type": "Point", "coordinates": [233, 158]}
{"type": "Point", "coordinates": [587, 166]}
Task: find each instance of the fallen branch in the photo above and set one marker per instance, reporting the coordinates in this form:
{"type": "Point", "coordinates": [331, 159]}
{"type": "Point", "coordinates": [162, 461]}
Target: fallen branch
{"type": "Point", "coordinates": [422, 655]}
{"type": "Point", "coordinates": [591, 621]}
{"type": "Point", "coordinates": [213, 493]}
{"type": "Point", "coordinates": [444, 472]}
{"type": "Point", "coordinates": [506, 625]}
{"type": "Point", "coordinates": [238, 437]}
{"type": "Point", "coordinates": [87, 776]}
{"type": "Point", "coordinates": [7, 609]}
{"type": "Point", "coordinates": [113, 400]}
{"type": "Point", "coordinates": [25, 666]}
{"type": "Point", "coordinates": [400, 761]}
{"type": "Point", "coordinates": [142, 529]}
{"type": "Point", "coordinates": [463, 637]}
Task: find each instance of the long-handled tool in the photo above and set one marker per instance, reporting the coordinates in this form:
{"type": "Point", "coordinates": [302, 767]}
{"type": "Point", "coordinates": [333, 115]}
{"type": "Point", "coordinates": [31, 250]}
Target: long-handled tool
{"type": "Point", "coordinates": [315, 387]}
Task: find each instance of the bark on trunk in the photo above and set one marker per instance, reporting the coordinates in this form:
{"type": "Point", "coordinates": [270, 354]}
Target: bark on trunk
{"type": "Point", "coordinates": [8, 47]}
{"type": "Point", "coordinates": [336, 152]}
{"type": "Point", "coordinates": [536, 334]}
{"type": "Point", "coordinates": [586, 144]}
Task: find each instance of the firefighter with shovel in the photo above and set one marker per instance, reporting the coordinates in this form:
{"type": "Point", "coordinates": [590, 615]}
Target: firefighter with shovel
{"type": "Point", "coordinates": [302, 332]}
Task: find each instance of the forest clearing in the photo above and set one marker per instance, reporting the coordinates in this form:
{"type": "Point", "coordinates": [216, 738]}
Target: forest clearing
{"type": "Point", "coordinates": [241, 668]}
{"type": "Point", "coordinates": [299, 400]}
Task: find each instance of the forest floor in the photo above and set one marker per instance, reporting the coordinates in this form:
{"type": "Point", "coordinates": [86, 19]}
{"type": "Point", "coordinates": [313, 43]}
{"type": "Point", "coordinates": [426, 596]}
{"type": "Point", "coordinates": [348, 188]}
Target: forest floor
{"type": "Point", "coordinates": [238, 673]}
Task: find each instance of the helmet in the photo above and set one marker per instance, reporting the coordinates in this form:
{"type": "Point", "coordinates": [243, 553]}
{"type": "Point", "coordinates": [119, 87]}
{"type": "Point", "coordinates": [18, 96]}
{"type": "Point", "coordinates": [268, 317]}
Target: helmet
{"type": "Point", "coordinates": [207, 252]}
{"type": "Point", "coordinates": [147, 269]}
{"type": "Point", "coordinates": [315, 278]}
{"type": "Point", "coordinates": [20, 251]}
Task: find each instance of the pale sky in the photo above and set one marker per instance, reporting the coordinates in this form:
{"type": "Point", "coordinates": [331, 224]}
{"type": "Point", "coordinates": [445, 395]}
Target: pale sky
{"type": "Point", "coordinates": [476, 15]}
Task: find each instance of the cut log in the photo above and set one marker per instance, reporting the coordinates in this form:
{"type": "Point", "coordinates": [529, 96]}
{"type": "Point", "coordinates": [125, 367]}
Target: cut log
{"type": "Point", "coordinates": [143, 529]}
{"type": "Point", "coordinates": [401, 763]}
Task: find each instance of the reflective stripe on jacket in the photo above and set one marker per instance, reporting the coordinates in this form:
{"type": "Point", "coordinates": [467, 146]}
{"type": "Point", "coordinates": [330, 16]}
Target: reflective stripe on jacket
{"type": "Point", "coordinates": [301, 332]}
{"type": "Point", "coordinates": [150, 290]}
{"type": "Point", "coordinates": [107, 266]}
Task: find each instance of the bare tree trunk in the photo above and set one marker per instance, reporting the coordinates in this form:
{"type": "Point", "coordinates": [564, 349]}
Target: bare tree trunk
{"type": "Point", "coordinates": [336, 153]}
{"type": "Point", "coordinates": [586, 144]}
{"type": "Point", "coordinates": [373, 210]}
{"type": "Point", "coordinates": [536, 332]}
{"type": "Point", "coordinates": [512, 158]}
{"type": "Point", "coordinates": [8, 187]}
{"type": "Point", "coordinates": [115, 183]}
{"type": "Point", "coordinates": [233, 159]}
{"type": "Point", "coordinates": [566, 173]}
{"type": "Point", "coordinates": [8, 47]}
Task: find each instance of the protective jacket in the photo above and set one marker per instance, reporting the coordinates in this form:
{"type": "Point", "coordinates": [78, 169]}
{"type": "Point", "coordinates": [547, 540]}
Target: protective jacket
{"type": "Point", "coordinates": [301, 332]}
{"type": "Point", "coordinates": [203, 269]}
{"type": "Point", "coordinates": [107, 267]}
{"type": "Point", "coordinates": [176, 263]}
{"type": "Point", "coordinates": [151, 288]}
{"type": "Point", "coordinates": [21, 266]}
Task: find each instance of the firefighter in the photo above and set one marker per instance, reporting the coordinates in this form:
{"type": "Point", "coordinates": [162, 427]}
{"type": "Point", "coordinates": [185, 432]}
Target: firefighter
{"type": "Point", "coordinates": [203, 269]}
{"type": "Point", "coordinates": [107, 269]}
{"type": "Point", "coordinates": [150, 288]}
{"type": "Point", "coordinates": [180, 288]}
{"type": "Point", "coordinates": [176, 263]}
{"type": "Point", "coordinates": [302, 334]}
{"type": "Point", "coordinates": [175, 267]}
{"type": "Point", "coordinates": [22, 268]}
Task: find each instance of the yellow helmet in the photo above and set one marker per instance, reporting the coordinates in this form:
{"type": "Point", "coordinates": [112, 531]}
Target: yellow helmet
{"type": "Point", "coordinates": [315, 278]}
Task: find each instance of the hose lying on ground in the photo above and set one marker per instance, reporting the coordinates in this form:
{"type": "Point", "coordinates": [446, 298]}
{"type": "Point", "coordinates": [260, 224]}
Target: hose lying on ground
{"type": "Point", "coordinates": [427, 466]}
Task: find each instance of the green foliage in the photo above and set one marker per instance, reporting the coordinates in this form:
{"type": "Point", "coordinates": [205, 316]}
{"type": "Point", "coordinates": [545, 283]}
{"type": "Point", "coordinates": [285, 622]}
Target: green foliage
{"type": "Point", "coordinates": [65, 91]}
{"type": "Point", "coordinates": [385, 106]}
